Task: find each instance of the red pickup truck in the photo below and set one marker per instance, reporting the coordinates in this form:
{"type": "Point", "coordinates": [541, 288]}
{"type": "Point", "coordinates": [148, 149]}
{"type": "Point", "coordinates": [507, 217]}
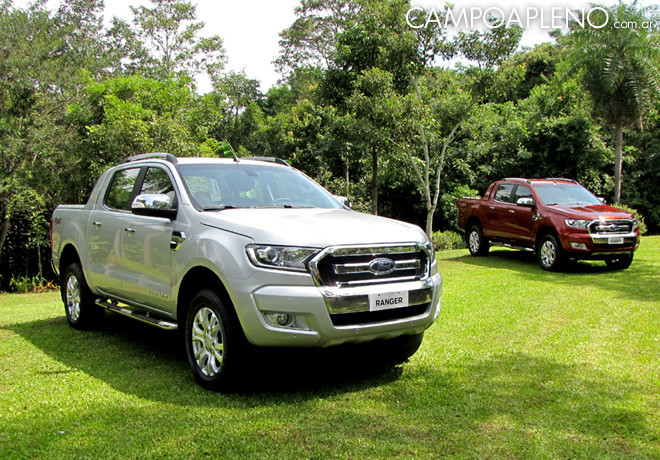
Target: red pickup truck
{"type": "Point", "coordinates": [559, 219]}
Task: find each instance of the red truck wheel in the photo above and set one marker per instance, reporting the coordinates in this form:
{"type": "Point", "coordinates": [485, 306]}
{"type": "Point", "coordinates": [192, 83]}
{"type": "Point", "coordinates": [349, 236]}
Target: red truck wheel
{"type": "Point", "coordinates": [476, 241]}
{"type": "Point", "coordinates": [550, 253]}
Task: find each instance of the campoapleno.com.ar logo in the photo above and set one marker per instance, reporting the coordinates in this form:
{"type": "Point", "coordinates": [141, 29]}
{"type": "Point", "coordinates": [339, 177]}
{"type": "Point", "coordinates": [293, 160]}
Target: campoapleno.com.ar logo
{"type": "Point", "coordinates": [494, 17]}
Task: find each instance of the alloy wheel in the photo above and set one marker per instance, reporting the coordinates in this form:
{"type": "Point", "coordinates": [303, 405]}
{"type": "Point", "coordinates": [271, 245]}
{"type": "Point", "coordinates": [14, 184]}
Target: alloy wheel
{"type": "Point", "coordinates": [207, 343]}
{"type": "Point", "coordinates": [73, 296]}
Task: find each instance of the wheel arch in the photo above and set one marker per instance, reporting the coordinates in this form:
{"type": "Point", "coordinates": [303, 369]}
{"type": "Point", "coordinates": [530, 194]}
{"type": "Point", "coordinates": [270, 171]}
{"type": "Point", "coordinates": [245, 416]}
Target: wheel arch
{"type": "Point", "coordinates": [473, 220]}
{"type": "Point", "coordinates": [196, 279]}
{"type": "Point", "coordinates": [543, 231]}
{"type": "Point", "coordinates": [68, 256]}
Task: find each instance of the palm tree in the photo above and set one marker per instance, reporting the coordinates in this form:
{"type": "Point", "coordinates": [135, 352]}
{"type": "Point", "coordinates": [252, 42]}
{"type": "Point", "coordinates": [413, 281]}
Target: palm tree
{"type": "Point", "coordinates": [619, 66]}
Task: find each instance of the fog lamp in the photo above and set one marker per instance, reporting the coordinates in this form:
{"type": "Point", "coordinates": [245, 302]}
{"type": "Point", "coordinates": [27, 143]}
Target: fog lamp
{"type": "Point", "coordinates": [578, 245]}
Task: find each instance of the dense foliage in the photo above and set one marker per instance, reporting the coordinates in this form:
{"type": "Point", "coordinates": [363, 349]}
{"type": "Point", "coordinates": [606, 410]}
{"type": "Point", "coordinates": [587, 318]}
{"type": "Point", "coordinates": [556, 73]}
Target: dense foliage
{"type": "Point", "coordinates": [368, 106]}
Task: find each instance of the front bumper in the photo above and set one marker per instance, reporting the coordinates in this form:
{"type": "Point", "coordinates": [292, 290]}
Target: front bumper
{"type": "Point", "coordinates": [327, 316]}
{"type": "Point", "coordinates": [583, 245]}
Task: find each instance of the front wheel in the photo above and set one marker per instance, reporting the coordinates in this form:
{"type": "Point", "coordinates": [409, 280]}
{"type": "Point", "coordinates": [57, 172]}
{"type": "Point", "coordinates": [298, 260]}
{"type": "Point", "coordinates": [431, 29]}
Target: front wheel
{"type": "Point", "coordinates": [213, 342]}
{"type": "Point", "coordinates": [549, 253]}
{"type": "Point", "coordinates": [476, 241]}
{"type": "Point", "coordinates": [81, 311]}
{"type": "Point", "coordinates": [619, 262]}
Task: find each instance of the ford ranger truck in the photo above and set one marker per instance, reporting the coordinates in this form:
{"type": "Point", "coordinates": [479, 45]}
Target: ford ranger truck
{"type": "Point", "coordinates": [241, 253]}
{"type": "Point", "coordinates": [559, 219]}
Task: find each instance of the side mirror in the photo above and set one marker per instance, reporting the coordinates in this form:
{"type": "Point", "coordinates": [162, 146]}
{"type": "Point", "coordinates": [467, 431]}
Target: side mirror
{"type": "Point", "coordinates": [602, 200]}
{"type": "Point", "coordinates": [343, 200]}
{"type": "Point", "coordinates": [154, 205]}
{"type": "Point", "coordinates": [526, 201]}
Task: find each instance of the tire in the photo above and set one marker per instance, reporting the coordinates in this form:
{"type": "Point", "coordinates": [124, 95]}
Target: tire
{"type": "Point", "coordinates": [215, 344]}
{"type": "Point", "coordinates": [549, 253]}
{"type": "Point", "coordinates": [476, 241]}
{"type": "Point", "coordinates": [81, 311]}
{"type": "Point", "coordinates": [619, 262]}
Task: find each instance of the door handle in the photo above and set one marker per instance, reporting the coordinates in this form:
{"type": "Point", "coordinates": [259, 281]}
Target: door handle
{"type": "Point", "coordinates": [129, 230]}
{"type": "Point", "coordinates": [512, 211]}
{"type": "Point", "coordinates": [97, 224]}
{"type": "Point", "coordinates": [491, 207]}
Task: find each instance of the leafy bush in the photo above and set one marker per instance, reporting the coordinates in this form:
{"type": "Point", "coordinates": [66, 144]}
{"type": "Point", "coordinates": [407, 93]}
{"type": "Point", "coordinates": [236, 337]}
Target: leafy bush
{"type": "Point", "coordinates": [638, 216]}
{"type": "Point", "coordinates": [25, 284]}
{"type": "Point", "coordinates": [444, 241]}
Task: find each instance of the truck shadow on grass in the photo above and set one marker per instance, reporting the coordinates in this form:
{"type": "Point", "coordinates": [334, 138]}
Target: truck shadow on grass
{"type": "Point", "coordinates": [139, 359]}
{"type": "Point", "coordinates": [641, 281]}
{"type": "Point", "coordinates": [509, 404]}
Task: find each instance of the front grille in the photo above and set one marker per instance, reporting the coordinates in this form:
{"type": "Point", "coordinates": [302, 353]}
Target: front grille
{"type": "Point", "coordinates": [611, 227]}
{"type": "Point", "coordinates": [369, 317]}
{"type": "Point", "coordinates": [354, 266]}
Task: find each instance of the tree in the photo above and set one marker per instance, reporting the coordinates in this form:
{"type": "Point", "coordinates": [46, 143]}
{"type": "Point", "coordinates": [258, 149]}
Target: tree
{"type": "Point", "coordinates": [443, 104]}
{"type": "Point", "coordinates": [171, 34]}
{"type": "Point", "coordinates": [619, 68]}
{"type": "Point", "coordinates": [311, 40]}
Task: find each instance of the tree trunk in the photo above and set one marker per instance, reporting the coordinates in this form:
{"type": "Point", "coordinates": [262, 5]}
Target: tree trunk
{"type": "Point", "coordinates": [618, 150]}
{"type": "Point", "coordinates": [41, 271]}
{"type": "Point", "coordinates": [429, 222]}
{"type": "Point", "coordinates": [3, 233]}
{"type": "Point", "coordinates": [374, 181]}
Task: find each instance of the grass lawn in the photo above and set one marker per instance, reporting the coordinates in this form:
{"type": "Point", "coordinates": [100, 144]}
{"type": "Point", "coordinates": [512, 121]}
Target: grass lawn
{"type": "Point", "coordinates": [521, 363]}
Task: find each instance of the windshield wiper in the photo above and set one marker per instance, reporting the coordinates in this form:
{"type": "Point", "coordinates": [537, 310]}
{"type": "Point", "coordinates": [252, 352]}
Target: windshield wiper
{"type": "Point", "coordinates": [221, 208]}
{"type": "Point", "coordinates": [285, 206]}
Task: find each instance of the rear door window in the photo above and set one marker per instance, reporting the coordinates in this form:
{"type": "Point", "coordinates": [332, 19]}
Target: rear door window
{"type": "Point", "coordinates": [121, 189]}
{"type": "Point", "coordinates": [504, 193]}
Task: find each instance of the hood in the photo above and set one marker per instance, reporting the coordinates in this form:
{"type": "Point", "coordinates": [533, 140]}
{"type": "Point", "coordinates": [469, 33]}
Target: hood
{"type": "Point", "coordinates": [591, 212]}
{"type": "Point", "coordinates": [316, 228]}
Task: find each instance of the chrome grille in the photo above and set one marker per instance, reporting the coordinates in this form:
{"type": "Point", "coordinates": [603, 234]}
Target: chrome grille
{"type": "Point", "coordinates": [359, 265]}
{"type": "Point", "coordinates": [611, 226]}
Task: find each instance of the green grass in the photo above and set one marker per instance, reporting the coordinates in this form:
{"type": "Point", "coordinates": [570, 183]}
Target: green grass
{"type": "Point", "coordinates": [521, 363]}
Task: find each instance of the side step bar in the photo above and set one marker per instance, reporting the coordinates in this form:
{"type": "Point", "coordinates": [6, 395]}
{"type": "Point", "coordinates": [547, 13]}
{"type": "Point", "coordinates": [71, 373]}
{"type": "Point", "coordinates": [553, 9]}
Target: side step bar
{"type": "Point", "coordinates": [145, 318]}
{"type": "Point", "coordinates": [511, 246]}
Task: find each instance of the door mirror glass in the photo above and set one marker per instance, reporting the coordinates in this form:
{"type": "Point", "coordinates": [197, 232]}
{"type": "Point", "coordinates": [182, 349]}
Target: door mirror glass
{"type": "Point", "coordinates": [154, 205]}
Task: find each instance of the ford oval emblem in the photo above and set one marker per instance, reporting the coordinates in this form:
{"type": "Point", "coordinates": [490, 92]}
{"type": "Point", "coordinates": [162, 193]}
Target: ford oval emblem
{"type": "Point", "coordinates": [380, 267]}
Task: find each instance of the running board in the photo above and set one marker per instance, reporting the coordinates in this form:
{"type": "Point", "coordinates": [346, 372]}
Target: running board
{"type": "Point", "coordinates": [511, 246]}
{"type": "Point", "coordinates": [145, 318]}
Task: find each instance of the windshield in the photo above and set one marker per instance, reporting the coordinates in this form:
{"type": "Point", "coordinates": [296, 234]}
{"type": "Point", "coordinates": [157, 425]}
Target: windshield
{"type": "Point", "coordinates": [566, 194]}
{"type": "Point", "coordinates": [240, 185]}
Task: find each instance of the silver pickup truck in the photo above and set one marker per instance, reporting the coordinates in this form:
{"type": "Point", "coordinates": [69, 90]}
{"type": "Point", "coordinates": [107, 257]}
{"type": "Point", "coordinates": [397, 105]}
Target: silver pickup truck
{"type": "Point", "coordinates": [241, 253]}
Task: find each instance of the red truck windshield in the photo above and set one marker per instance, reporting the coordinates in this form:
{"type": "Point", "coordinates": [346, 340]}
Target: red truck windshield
{"type": "Point", "coordinates": [565, 194]}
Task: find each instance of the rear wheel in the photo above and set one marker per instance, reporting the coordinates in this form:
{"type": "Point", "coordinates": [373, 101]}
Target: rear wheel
{"type": "Point", "coordinates": [619, 262]}
{"type": "Point", "coordinates": [476, 241]}
{"type": "Point", "coordinates": [214, 342]}
{"type": "Point", "coordinates": [81, 311]}
{"type": "Point", "coordinates": [549, 253]}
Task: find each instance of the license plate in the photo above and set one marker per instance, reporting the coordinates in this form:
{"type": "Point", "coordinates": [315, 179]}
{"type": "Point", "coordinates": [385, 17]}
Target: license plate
{"type": "Point", "coordinates": [388, 300]}
{"type": "Point", "coordinates": [616, 240]}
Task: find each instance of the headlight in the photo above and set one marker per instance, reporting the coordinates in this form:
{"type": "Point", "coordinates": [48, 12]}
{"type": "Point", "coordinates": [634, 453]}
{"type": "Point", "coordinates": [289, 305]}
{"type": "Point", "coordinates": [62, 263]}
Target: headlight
{"type": "Point", "coordinates": [282, 257]}
{"type": "Point", "coordinates": [577, 223]}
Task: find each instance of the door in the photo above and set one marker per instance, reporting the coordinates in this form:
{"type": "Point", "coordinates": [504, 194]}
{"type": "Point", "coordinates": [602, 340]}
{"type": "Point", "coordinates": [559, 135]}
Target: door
{"type": "Point", "coordinates": [105, 232]}
{"type": "Point", "coordinates": [498, 212]}
{"type": "Point", "coordinates": [147, 256]}
{"type": "Point", "coordinates": [519, 221]}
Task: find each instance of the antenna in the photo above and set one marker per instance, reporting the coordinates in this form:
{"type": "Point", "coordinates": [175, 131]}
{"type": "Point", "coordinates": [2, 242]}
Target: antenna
{"type": "Point", "coordinates": [228, 150]}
